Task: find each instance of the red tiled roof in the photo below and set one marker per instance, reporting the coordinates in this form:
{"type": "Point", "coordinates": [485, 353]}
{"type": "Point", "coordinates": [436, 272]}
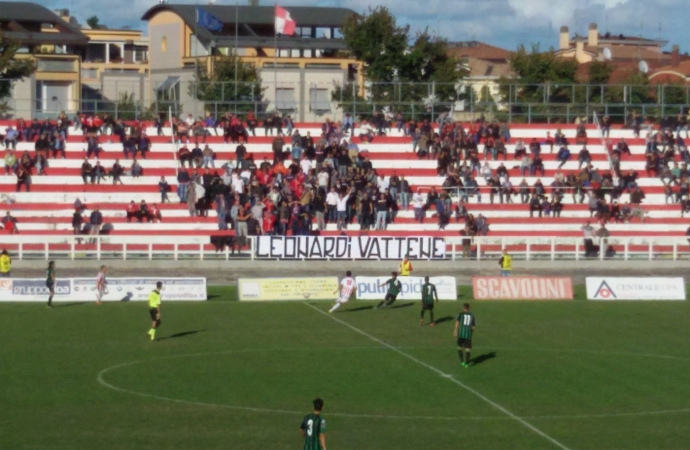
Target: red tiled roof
{"type": "Point", "coordinates": [477, 50]}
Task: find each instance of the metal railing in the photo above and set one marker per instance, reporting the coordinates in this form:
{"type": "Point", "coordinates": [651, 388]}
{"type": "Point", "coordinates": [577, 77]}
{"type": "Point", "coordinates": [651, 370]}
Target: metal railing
{"type": "Point", "coordinates": [467, 100]}
{"type": "Point", "coordinates": [99, 248]}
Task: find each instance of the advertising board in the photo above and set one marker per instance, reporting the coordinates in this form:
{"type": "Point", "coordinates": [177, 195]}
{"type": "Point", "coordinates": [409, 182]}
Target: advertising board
{"type": "Point", "coordinates": [522, 288]}
{"type": "Point", "coordinates": [369, 288]}
{"type": "Point", "coordinates": [640, 288]}
{"type": "Point", "coordinates": [279, 289]}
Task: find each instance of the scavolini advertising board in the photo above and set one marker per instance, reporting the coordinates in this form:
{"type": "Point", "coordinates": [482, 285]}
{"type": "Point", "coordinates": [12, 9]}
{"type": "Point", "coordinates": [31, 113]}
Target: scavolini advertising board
{"type": "Point", "coordinates": [522, 288]}
{"type": "Point", "coordinates": [346, 247]}
{"type": "Point", "coordinates": [641, 288]}
{"type": "Point", "coordinates": [118, 289]}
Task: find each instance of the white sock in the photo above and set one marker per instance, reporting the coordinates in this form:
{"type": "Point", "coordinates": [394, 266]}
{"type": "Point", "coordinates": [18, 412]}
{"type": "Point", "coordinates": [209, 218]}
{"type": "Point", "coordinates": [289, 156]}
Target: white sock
{"type": "Point", "coordinates": [336, 306]}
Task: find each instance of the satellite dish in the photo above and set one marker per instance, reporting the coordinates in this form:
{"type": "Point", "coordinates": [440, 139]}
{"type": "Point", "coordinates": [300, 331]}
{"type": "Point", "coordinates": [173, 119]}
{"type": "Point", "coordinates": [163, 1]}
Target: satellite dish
{"type": "Point", "coordinates": [643, 66]}
{"type": "Point", "coordinates": [607, 53]}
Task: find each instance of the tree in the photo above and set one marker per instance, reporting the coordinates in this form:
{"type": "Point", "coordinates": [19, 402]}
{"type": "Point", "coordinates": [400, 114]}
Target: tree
{"type": "Point", "coordinates": [400, 69]}
{"type": "Point", "coordinates": [11, 68]}
{"type": "Point", "coordinates": [377, 41]}
{"type": "Point", "coordinates": [93, 22]}
{"type": "Point", "coordinates": [541, 75]}
{"type": "Point", "coordinates": [219, 85]}
{"type": "Point", "coordinates": [599, 72]}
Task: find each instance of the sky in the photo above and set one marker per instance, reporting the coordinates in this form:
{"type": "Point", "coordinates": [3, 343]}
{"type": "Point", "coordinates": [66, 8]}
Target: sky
{"type": "Point", "coordinates": [503, 23]}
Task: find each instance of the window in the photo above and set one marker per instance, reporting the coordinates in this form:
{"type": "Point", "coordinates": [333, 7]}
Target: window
{"type": "Point", "coordinates": [285, 99]}
{"type": "Point", "coordinates": [141, 53]}
{"type": "Point", "coordinates": [319, 100]}
{"type": "Point", "coordinates": [55, 65]}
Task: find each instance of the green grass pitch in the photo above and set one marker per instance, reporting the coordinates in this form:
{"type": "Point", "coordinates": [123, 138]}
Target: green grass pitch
{"type": "Point", "coordinates": [230, 375]}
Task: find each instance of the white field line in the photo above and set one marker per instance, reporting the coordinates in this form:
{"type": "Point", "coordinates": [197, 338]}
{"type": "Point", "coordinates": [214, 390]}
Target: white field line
{"type": "Point", "coordinates": [495, 405]}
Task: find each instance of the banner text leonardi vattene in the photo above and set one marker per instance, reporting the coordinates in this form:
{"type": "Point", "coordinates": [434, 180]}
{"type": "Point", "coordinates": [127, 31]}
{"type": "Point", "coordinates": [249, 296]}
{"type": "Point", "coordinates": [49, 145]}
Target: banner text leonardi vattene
{"type": "Point", "coordinates": [346, 247]}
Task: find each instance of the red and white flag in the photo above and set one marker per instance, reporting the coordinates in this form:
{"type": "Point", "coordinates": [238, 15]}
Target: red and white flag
{"type": "Point", "coordinates": [284, 23]}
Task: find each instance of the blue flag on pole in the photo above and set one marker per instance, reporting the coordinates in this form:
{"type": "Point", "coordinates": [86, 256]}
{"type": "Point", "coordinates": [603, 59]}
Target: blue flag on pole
{"type": "Point", "coordinates": [207, 20]}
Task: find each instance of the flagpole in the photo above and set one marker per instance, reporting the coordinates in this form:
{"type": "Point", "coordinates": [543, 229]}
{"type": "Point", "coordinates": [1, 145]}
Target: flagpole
{"type": "Point", "coordinates": [236, 54]}
{"type": "Point", "coordinates": [196, 60]}
{"type": "Point", "coordinates": [275, 61]}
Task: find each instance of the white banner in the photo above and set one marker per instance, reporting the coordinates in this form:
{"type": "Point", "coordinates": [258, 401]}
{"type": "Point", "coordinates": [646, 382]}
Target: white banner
{"type": "Point", "coordinates": [278, 289]}
{"type": "Point", "coordinates": [117, 289]}
{"type": "Point", "coordinates": [369, 288]}
{"type": "Point", "coordinates": [618, 288]}
{"type": "Point", "coordinates": [346, 247]}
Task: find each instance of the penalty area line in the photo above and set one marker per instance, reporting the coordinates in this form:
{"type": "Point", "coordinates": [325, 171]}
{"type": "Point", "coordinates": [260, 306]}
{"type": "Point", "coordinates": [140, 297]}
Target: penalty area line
{"type": "Point", "coordinates": [477, 394]}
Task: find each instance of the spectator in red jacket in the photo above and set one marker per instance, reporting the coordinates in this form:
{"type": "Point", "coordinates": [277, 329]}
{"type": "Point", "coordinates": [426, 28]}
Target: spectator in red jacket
{"type": "Point", "coordinates": [132, 211]}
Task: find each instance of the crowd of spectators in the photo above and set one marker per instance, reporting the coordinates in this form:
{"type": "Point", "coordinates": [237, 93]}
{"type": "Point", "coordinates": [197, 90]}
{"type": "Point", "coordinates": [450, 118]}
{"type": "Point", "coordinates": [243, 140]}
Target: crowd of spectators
{"type": "Point", "coordinates": [311, 181]}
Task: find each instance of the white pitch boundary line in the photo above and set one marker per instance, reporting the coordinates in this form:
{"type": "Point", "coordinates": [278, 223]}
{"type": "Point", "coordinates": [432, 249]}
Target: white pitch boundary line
{"type": "Point", "coordinates": [518, 419]}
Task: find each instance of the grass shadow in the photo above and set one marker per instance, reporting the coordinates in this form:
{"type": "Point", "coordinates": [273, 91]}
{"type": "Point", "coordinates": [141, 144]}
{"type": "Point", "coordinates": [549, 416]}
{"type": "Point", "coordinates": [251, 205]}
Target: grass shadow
{"type": "Point", "coordinates": [483, 358]}
{"type": "Point", "coordinates": [442, 319]}
{"type": "Point", "coordinates": [359, 308]}
{"type": "Point", "coordinates": [181, 334]}
{"type": "Point", "coordinates": [64, 305]}
{"type": "Point", "coordinates": [404, 305]}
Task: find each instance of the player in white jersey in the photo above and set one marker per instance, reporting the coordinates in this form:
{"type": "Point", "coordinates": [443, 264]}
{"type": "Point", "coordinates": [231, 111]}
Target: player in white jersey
{"type": "Point", "coordinates": [100, 285]}
{"type": "Point", "coordinates": [347, 287]}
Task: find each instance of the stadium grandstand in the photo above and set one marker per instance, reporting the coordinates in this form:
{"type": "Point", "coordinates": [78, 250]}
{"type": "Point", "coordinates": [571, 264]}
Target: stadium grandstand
{"type": "Point", "coordinates": [529, 188]}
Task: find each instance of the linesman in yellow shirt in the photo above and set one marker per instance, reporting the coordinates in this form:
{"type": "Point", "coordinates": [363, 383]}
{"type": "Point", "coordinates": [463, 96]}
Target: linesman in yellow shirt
{"type": "Point", "coordinates": [155, 309]}
{"type": "Point", "coordinates": [405, 267]}
{"type": "Point", "coordinates": [5, 264]}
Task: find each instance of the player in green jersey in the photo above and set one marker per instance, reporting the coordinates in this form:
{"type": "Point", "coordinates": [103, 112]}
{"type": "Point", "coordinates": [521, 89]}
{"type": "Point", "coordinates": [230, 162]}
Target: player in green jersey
{"type": "Point", "coordinates": [428, 296]}
{"type": "Point", "coordinates": [155, 310]}
{"type": "Point", "coordinates": [394, 288]}
{"type": "Point", "coordinates": [50, 282]}
{"type": "Point", "coordinates": [464, 327]}
{"type": "Point", "coordinates": [313, 428]}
